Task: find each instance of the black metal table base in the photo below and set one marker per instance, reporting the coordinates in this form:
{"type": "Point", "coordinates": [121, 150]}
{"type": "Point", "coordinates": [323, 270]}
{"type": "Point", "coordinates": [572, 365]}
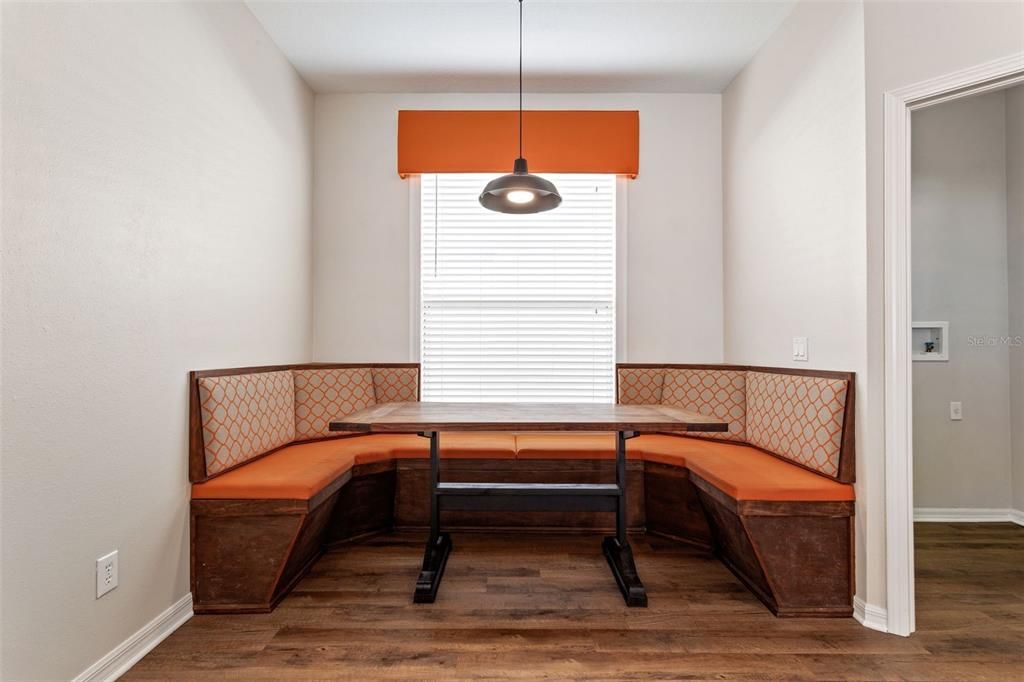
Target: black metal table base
{"type": "Point", "coordinates": [530, 497]}
{"type": "Point", "coordinates": [434, 561]}
{"type": "Point", "coordinates": [620, 559]}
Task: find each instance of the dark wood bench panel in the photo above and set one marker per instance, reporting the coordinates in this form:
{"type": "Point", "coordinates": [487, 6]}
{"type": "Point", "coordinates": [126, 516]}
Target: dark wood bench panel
{"type": "Point", "coordinates": [248, 554]}
{"type": "Point", "coordinates": [366, 505]}
{"type": "Point", "coordinates": [672, 505]}
{"type": "Point", "coordinates": [412, 490]}
{"type": "Point", "coordinates": [242, 551]}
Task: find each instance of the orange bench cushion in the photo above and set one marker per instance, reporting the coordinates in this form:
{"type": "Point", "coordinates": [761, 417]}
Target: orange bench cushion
{"type": "Point", "coordinates": [662, 449]}
{"type": "Point", "coordinates": [568, 445]}
{"type": "Point", "coordinates": [744, 472]}
{"type": "Point", "coordinates": [296, 472]}
{"type": "Point", "coordinates": [461, 445]}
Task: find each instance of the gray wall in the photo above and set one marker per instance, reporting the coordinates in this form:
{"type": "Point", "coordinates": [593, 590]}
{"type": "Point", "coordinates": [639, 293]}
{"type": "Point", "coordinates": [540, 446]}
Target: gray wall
{"type": "Point", "coordinates": [794, 170]}
{"type": "Point", "coordinates": [1015, 250]}
{"type": "Point", "coordinates": [960, 274]}
{"type": "Point", "coordinates": [157, 164]}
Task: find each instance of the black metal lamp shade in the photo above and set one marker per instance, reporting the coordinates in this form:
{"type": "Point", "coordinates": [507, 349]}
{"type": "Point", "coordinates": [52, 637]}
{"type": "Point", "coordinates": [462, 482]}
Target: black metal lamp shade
{"type": "Point", "coordinates": [520, 192]}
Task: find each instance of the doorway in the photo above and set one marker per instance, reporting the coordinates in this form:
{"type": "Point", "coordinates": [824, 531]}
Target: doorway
{"type": "Point", "coordinates": [967, 276]}
{"type": "Point", "coordinates": [967, 178]}
{"type": "Point", "coordinates": [902, 339]}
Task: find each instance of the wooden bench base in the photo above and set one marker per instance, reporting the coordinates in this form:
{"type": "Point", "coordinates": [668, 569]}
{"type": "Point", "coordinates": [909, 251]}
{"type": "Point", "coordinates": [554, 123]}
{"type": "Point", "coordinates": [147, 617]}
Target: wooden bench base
{"type": "Point", "coordinates": [796, 557]}
{"type": "Point", "coordinates": [248, 554]}
{"type": "Point", "coordinates": [673, 507]}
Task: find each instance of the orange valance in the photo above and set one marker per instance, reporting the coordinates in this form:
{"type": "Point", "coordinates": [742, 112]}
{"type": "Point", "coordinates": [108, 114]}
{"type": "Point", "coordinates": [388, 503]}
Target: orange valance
{"type": "Point", "coordinates": [487, 141]}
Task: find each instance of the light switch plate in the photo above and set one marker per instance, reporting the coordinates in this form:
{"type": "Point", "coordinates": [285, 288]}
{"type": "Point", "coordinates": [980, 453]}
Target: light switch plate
{"type": "Point", "coordinates": [106, 574]}
{"type": "Point", "coordinates": [800, 348]}
{"type": "Point", "coordinates": [956, 411]}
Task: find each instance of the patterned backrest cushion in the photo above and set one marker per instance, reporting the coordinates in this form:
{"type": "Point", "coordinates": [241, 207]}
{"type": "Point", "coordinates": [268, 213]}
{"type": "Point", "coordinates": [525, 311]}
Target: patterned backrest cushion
{"type": "Point", "coordinates": [640, 385]}
{"type": "Point", "coordinates": [799, 418]}
{"type": "Point", "coordinates": [720, 393]}
{"type": "Point", "coordinates": [325, 394]}
{"type": "Point", "coordinates": [396, 384]}
{"type": "Point", "coordinates": [244, 416]}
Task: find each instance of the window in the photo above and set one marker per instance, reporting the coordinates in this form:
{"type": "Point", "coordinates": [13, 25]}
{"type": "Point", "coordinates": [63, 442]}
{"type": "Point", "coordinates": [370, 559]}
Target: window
{"type": "Point", "coordinates": [517, 308]}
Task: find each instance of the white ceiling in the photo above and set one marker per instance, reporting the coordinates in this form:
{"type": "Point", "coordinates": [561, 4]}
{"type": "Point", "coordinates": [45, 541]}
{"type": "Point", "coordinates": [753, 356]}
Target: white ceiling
{"type": "Point", "coordinates": [471, 46]}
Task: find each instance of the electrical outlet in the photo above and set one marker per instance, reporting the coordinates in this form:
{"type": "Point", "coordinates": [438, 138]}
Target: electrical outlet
{"type": "Point", "coordinates": [956, 411]}
{"type": "Point", "coordinates": [106, 574]}
{"type": "Point", "coordinates": [800, 348]}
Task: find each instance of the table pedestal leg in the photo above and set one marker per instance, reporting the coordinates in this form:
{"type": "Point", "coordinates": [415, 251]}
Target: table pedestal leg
{"type": "Point", "coordinates": [620, 558]}
{"type": "Point", "coordinates": [435, 557]}
{"type": "Point", "coordinates": [434, 561]}
{"type": "Point", "coordinates": [616, 549]}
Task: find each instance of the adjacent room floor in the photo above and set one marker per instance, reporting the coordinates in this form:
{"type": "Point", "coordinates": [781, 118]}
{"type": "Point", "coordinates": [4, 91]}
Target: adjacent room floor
{"type": "Point", "coordinates": [546, 606]}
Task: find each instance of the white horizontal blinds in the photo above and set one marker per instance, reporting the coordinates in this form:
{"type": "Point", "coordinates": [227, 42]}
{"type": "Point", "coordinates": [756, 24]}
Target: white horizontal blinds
{"type": "Point", "coordinates": [517, 308]}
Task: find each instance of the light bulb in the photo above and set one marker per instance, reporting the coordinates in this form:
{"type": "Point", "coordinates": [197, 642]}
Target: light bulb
{"type": "Point", "coordinates": [520, 196]}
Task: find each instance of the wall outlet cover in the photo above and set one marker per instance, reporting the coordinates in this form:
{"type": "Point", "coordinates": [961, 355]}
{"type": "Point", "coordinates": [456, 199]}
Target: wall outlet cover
{"type": "Point", "coordinates": [106, 573]}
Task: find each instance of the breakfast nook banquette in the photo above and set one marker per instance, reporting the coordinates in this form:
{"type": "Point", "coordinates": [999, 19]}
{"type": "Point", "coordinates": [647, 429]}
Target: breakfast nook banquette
{"type": "Point", "coordinates": [769, 492]}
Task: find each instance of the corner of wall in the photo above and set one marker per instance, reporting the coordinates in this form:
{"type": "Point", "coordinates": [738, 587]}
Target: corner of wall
{"type": "Point", "coordinates": [1015, 280]}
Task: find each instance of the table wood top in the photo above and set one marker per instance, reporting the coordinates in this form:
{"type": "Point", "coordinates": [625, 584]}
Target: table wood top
{"type": "Point", "coordinates": [414, 417]}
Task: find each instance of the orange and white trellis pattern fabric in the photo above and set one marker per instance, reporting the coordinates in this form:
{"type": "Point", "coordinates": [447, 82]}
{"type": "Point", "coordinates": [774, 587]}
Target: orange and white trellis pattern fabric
{"type": "Point", "coordinates": [244, 416]}
{"type": "Point", "coordinates": [716, 392]}
{"type": "Point", "coordinates": [641, 385]}
{"type": "Point", "coordinates": [396, 384]}
{"type": "Point", "coordinates": [325, 394]}
{"type": "Point", "coordinates": [799, 418]}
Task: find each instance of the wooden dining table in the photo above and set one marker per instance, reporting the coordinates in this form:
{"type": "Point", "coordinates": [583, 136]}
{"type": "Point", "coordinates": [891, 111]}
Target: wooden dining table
{"type": "Point", "coordinates": [430, 419]}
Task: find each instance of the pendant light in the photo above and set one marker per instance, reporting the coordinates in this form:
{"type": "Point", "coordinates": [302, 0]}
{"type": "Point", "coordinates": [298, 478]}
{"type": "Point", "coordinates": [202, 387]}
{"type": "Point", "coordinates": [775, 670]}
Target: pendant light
{"type": "Point", "coordinates": [520, 192]}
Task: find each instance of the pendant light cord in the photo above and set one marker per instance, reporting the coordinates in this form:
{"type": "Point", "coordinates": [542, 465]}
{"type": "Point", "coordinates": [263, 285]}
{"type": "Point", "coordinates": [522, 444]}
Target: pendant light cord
{"type": "Point", "coordinates": [520, 79]}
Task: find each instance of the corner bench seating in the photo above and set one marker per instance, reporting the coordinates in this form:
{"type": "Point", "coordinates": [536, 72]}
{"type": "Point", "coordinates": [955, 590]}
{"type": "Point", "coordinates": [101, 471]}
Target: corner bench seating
{"type": "Point", "coordinates": [272, 487]}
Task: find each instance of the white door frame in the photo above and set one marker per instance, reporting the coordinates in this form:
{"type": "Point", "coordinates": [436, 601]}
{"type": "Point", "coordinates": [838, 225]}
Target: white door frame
{"type": "Point", "coordinates": [899, 471]}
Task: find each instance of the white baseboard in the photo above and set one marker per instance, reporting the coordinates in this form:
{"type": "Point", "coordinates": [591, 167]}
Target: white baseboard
{"type": "Point", "coordinates": [968, 515]}
{"type": "Point", "coordinates": [870, 616]}
{"type": "Point", "coordinates": [130, 651]}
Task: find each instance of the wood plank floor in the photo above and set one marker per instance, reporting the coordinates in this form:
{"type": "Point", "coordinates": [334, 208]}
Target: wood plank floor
{"type": "Point", "coordinates": [547, 607]}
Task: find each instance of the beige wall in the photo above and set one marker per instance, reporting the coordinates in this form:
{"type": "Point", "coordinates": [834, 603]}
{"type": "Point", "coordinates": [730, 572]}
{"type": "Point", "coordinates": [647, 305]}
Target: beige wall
{"type": "Point", "coordinates": [1015, 251]}
{"type": "Point", "coordinates": [959, 191]}
{"type": "Point", "coordinates": [362, 217]}
{"type": "Point", "coordinates": [156, 219]}
{"type": "Point", "coordinates": [793, 141]}
{"type": "Point", "coordinates": [905, 43]}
